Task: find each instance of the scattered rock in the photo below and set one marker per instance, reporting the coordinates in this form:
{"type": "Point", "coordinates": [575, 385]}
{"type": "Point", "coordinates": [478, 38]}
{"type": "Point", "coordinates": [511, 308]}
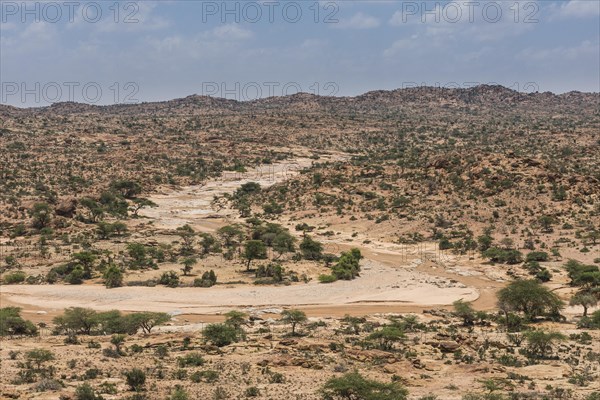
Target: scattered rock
{"type": "Point", "coordinates": [66, 208]}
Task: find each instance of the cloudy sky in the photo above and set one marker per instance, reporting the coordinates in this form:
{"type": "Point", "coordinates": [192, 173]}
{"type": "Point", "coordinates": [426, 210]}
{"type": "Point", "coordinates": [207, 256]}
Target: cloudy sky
{"type": "Point", "coordinates": [105, 52]}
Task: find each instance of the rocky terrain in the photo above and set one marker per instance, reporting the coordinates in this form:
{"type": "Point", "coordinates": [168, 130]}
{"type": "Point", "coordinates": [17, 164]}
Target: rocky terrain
{"type": "Point", "coordinates": [414, 244]}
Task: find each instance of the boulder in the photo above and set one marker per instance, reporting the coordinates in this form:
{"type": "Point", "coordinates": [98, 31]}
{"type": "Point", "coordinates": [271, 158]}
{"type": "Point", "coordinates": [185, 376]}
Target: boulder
{"type": "Point", "coordinates": [449, 346]}
{"type": "Point", "coordinates": [66, 208]}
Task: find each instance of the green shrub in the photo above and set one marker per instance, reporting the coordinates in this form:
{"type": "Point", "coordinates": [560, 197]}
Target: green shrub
{"type": "Point", "coordinates": [220, 334]}
{"type": "Point", "coordinates": [76, 276]}
{"type": "Point", "coordinates": [86, 392]}
{"type": "Point", "coordinates": [169, 278]}
{"type": "Point", "coordinates": [348, 266]}
{"type": "Point", "coordinates": [354, 386]}
{"type": "Point", "coordinates": [113, 277]}
{"type": "Point", "coordinates": [208, 279]}
{"type": "Point", "coordinates": [503, 256]}
{"type": "Point", "coordinates": [190, 360]}
{"type": "Point", "coordinates": [179, 394]}
{"type": "Point", "coordinates": [12, 278]}
{"type": "Point", "coordinates": [323, 278]}
{"type": "Point", "coordinates": [591, 322]}
{"type": "Point", "coordinates": [11, 323]}
{"type": "Point", "coordinates": [208, 376]}
{"type": "Point", "coordinates": [537, 256]}
{"type": "Point", "coordinates": [136, 379]}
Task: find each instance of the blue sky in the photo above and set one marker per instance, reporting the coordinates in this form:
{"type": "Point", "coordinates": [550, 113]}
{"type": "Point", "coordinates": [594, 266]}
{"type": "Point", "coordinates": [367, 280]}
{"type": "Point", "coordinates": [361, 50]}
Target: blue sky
{"type": "Point", "coordinates": [167, 49]}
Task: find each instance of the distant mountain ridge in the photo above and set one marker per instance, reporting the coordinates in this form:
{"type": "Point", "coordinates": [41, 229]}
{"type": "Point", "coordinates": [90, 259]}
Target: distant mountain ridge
{"type": "Point", "coordinates": [373, 101]}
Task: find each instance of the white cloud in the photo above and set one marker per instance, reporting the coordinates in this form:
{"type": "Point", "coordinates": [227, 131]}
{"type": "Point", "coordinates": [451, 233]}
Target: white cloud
{"type": "Point", "coordinates": [400, 45]}
{"type": "Point", "coordinates": [582, 51]}
{"type": "Point", "coordinates": [39, 32]}
{"type": "Point", "coordinates": [359, 20]}
{"type": "Point", "coordinates": [478, 22]}
{"type": "Point", "coordinates": [310, 44]}
{"type": "Point", "coordinates": [167, 44]}
{"type": "Point", "coordinates": [577, 9]}
{"type": "Point", "coordinates": [231, 32]}
{"type": "Point", "coordinates": [131, 17]}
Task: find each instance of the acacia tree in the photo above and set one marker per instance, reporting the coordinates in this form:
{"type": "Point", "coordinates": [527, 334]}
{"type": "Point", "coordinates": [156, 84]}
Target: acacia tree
{"type": "Point", "coordinates": [540, 342]}
{"type": "Point", "coordinates": [94, 210]}
{"type": "Point", "coordinates": [293, 317]}
{"type": "Point", "coordinates": [283, 242]}
{"type": "Point", "coordinates": [209, 244]}
{"type": "Point", "coordinates": [117, 340]}
{"type": "Point", "coordinates": [236, 319]}
{"type": "Point", "coordinates": [39, 357]}
{"type": "Point", "coordinates": [188, 265]}
{"type": "Point", "coordinates": [187, 235]}
{"type": "Point", "coordinates": [254, 250]}
{"type": "Point", "coordinates": [77, 320]}
{"type": "Point", "coordinates": [464, 310]}
{"type": "Point", "coordinates": [230, 234]}
{"type": "Point", "coordinates": [126, 188]}
{"type": "Point", "coordinates": [585, 300]}
{"type": "Point", "coordinates": [529, 297]}
{"type": "Point", "coordinates": [141, 203]}
{"type": "Point", "coordinates": [148, 320]}
{"type": "Point", "coordinates": [387, 337]}
{"type": "Point", "coordinates": [311, 249]}
{"type": "Point", "coordinates": [41, 215]}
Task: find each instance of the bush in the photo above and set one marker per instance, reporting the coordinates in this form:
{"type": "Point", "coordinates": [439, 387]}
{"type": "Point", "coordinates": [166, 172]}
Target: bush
{"type": "Point", "coordinates": [208, 376]}
{"type": "Point", "coordinates": [179, 394]}
{"type": "Point", "coordinates": [136, 379]}
{"type": "Point", "coordinates": [586, 276]}
{"type": "Point", "coordinates": [169, 278]}
{"type": "Point", "coordinates": [354, 386]}
{"type": "Point", "coordinates": [327, 278]}
{"type": "Point", "coordinates": [348, 266]}
{"type": "Point", "coordinates": [192, 359]}
{"type": "Point", "coordinates": [537, 256]}
{"type": "Point", "coordinates": [386, 337]}
{"type": "Point", "coordinates": [465, 311]}
{"type": "Point", "coordinates": [271, 270]}
{"type": "Point", "coordinates": [445, 244]}
{"type": "Point", "coordinates": [544, 275]}
{"type": "Point", "coordinates": [86, 392]}
{"type": "Point", "coordinates": [311, 249]}
{"type": "Point", "coordinates": [113, 277]}
{"type": "Point", "coordinates": [220, 334]}
{"type": "Point", "coordinates": [91, 373]}
{"type": "Point", "coordinates": [11, 323]}
{"type": "Point", "coordinates": [12, 278]}
{"type": "Point", "coordinates": [162, 351]}
{"type": "Point", "coordinates": [503, 256]}
{"type": "Point", "coordinates": [39, 357]}
{"type": "Point", "coordinates": [76, 276]}
{"type": "Point", "coordinates": [276, 377]}
{"type": "Point", "coordinates": [208, 279]}
{"type": "Point", "coordinates": [591, 322]}
{"type": "Point", "coordinates": [540, 342]}
{"type": "Point", "coordinates": [113, 321]}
